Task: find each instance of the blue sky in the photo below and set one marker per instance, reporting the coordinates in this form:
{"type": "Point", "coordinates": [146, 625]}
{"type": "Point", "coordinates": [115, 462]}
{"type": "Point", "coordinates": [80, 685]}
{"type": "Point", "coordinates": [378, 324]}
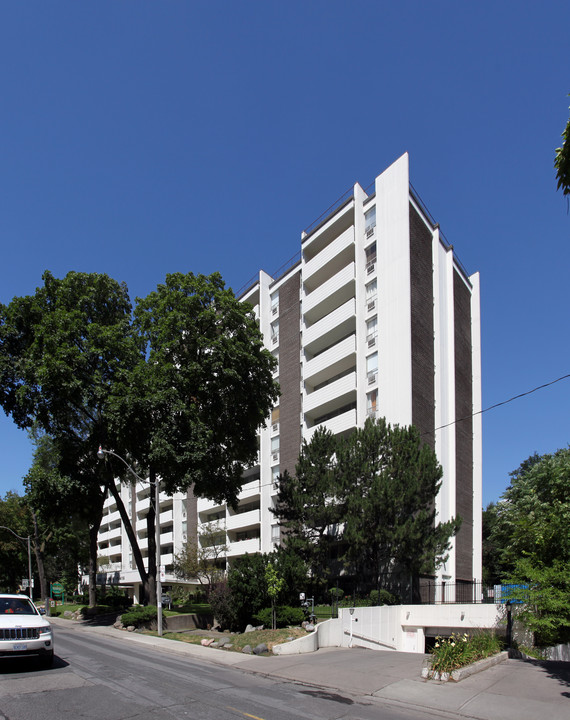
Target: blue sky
{"type": "Point", "coordinates": [139, 138]}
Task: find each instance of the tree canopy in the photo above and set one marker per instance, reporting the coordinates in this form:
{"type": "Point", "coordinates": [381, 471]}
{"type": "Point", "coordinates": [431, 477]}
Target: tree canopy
{"type": "Point", "coordinates": [308, 506]}
{"type": "Point", "coordinates": [562, 161]}
{"type": "Point", "coordinates": [533, 533]}
{"type": "Point", "coordinates": [179, 388]}
{"type": "Point", "coordinates": [190, 412]}
{"type": "Point", "coordinates": [367, 500]}
{"type": "Point", "coordinates": [61, 352]}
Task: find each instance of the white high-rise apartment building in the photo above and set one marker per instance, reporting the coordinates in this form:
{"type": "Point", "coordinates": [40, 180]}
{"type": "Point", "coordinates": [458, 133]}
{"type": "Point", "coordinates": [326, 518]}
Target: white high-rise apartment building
{"type": "Point", "coordinates": [377, 318]}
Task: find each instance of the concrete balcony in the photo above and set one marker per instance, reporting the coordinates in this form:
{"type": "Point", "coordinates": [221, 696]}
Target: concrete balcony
{"type": "Point", "coordinates": [250, 489]}
{"type": "Point", "coordinates": [334, 292]}
{"type": "Point", "coordinates": [143, 504]}
{"type": "Point", "coordinates": [111, 567]}
{"type": "Point", "coordinates": [329, 260]}
{"type": "Point", "coordinates": [331, 328]}
{"type": "Point", "coordinates": [245, 520]}
{"type": "Point", "coordinates": [337, 425]}
{"type": "Point", "coordinates": [241, 547]}
{"type": "Point", "coordinates": [111, 518]}
{"type": "Point", "coordinates": [334, 395]}
{"type": "Point", "coordinates": [141, 525]}
{"type": "Point", "coordinates": [109, 536]}
{"type": "Point", "coordinates": [205, 504]}
{"type": "Point", "coordinates": [333, 361]}
{"type": "Point", "coordinates": [166, 538]}
{"type": "Point", "coordinates": [166, 517]}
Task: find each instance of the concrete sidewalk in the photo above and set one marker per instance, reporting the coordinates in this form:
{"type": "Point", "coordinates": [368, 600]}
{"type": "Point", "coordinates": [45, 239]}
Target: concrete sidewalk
{"type": "Point", "coordinates": [514, 689]}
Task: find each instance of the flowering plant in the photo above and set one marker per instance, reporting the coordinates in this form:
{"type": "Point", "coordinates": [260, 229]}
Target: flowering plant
{"type": "Point", "coordinates": [458, 650]}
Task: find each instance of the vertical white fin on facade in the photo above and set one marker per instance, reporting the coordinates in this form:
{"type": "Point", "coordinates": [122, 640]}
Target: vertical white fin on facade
{"type": "Point", "coordinates": [394, 293]}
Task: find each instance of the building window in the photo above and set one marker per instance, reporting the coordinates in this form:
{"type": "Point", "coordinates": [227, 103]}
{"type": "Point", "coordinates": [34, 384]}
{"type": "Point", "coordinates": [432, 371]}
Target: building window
{"type": "Point", "coordinates": [275, 332]}
{"type": "Point", "coordinates": [372, 403]}
{"type": "Point", "coordinates": [371, 292]}
{"type": "Point", "coordinates": [275, 477]}
{"type": "Point", "coordinates": [371, 331]}
{"type": "Point", "coordinates": [372, 368]}
{"type": "Point", "coordinates": [371, 258]}
{"type": "Point", "coordinates": [370, 221]}
{"type": "Point", "coordinates": [275, 303]}
{"type": "Point", "coordinates": [275, 534]}
{"type": "Point", "coordinates": [275, 448]}
{"type": "Point", "coordinates": [275, 419]}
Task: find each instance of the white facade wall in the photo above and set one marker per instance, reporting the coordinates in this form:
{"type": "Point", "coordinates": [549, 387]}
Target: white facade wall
{"type": "Point", "coordinates": [337, 270]}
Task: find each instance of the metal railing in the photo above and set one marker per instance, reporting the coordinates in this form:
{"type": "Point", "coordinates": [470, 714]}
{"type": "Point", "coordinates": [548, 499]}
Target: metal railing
{"type": "Point", "coordinates": [432, 593]}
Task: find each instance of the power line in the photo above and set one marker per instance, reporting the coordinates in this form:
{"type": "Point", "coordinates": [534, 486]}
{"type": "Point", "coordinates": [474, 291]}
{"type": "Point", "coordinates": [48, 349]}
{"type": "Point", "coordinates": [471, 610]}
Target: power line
{"type": "Point", "coordinates": [496, 405]}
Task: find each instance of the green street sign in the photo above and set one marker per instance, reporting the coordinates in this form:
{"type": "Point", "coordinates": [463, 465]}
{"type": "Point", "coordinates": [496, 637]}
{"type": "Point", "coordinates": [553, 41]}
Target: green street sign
{"type": "Point", "coordinates": [57, 588]}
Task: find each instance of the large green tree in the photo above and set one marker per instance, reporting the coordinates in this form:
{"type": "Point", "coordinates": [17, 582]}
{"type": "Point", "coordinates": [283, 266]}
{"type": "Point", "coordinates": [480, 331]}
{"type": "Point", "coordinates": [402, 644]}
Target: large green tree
{"type": "Point", "coordinates": [60, 508]}
{"type": "Point", "coordinates": [190, 410]}
{"type": "Point", "coordinates": [533, 534]}
{"type": "Point", "coordinates": [61, 351]}
{"type": "Point", "coordinates": [179, 391]}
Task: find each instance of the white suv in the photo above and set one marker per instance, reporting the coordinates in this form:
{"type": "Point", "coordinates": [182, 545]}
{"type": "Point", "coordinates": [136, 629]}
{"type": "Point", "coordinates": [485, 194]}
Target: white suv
{"type": "Point", "coordinates": [23, 631]}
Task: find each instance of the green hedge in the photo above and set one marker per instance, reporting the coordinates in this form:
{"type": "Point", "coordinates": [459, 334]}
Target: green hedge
{"type": "Point", "coordinates": [285, 616]}
{"type": "Point", "coordinates": [139, 615]}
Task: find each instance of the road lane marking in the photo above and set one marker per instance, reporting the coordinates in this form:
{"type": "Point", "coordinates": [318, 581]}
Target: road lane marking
{"type": "Point", "coordinates": [241, 712]}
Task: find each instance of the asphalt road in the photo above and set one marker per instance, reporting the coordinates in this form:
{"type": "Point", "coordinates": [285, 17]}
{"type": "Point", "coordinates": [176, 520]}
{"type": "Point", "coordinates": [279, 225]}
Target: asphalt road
{"type": "Point", "coordinates": [105, 679]}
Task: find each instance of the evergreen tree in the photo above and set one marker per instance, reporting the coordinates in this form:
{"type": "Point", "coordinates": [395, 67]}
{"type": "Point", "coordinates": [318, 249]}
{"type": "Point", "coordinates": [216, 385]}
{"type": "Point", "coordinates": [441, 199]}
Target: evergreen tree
{"type": "Point", "coordinates": [390, 481]}
{"type": "Point", "coordinates": [308, 506]}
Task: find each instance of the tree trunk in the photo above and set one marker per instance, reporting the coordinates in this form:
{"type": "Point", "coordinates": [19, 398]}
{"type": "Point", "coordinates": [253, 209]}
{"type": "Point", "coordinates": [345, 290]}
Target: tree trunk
{"type": "Point", "coordinates": [137, 554]}
{"type": "Point", "coordinates": [38, 552]}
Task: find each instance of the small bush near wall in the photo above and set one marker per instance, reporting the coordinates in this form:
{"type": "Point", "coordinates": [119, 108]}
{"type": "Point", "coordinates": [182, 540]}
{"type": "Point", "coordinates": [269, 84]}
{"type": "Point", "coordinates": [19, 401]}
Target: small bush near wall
{"type": "Point", "coordinates": [456, 651]}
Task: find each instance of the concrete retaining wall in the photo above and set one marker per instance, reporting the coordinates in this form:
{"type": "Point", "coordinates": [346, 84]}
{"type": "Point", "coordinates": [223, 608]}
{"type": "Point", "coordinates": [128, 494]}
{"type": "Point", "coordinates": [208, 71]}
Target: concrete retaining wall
{"type": "Point", "coordinates": [400, 628]}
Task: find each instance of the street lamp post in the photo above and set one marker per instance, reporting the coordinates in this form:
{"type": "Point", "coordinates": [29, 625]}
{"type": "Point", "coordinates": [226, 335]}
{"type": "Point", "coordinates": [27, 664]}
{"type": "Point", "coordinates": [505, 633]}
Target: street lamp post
{"type": "Point", "coordinates": [101, 455]}
{"type": "Point", "coordinates": [29, 557]}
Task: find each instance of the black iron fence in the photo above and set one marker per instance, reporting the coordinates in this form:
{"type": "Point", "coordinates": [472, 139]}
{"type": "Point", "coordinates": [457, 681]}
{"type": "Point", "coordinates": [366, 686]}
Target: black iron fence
{"type": "Point", "coordinates": [432, 593]}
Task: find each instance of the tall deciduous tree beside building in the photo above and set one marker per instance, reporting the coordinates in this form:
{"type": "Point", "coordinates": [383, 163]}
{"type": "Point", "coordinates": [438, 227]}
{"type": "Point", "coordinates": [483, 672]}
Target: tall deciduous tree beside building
{"type": "Point", "coordinates": [189, 413]}
{"type": "Point", "coordinates": [179, 391]}
{"type": "Point", "coordinates": [61, 350]}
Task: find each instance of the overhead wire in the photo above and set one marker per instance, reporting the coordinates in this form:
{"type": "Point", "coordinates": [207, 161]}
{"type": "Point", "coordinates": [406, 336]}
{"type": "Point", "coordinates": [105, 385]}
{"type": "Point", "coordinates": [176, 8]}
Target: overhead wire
{"type": "Point", "coordinates": [496, 405]}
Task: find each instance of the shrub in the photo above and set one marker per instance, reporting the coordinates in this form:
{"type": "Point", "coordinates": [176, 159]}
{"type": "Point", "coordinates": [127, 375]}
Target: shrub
{"type": "Point", "coordinates": [223, 607]}
{"type": "Point", "coordinates": [139, 615]}
{"type": "Point", "coordinates": [285, 616]}
{"type": "Point", "coordinates": [456, 651]}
